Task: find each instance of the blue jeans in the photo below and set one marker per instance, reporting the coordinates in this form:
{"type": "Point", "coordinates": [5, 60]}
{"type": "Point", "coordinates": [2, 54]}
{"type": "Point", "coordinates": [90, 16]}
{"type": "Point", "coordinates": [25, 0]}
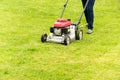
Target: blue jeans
{"type": "Point", "coordinates": [89, 13]}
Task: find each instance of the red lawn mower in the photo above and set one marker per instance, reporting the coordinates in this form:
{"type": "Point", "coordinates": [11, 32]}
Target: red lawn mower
{"type": "Point", "coordinates": [64, 31]}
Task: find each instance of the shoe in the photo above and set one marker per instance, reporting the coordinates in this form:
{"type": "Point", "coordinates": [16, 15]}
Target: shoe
{"type": "Point", "coordinates": [89, 31]}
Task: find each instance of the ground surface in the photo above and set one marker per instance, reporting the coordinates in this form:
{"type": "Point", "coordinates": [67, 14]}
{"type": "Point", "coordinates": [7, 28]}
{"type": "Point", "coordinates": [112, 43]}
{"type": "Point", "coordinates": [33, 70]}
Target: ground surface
{"type": "Point", "coordinates": [24, 57]}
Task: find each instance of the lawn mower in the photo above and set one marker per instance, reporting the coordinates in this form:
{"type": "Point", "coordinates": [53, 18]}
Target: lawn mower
{"type": "Point", "coordinates": [64, 31]}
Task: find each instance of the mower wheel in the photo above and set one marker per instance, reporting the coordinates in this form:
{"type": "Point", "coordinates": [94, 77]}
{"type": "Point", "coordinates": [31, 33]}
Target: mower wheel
{"type": "Point", "coordinates": [44, 38]}
{"type": "Point", "coordinates": [79, 35]}
{"type": "Point", "coordinates": [67, 40]}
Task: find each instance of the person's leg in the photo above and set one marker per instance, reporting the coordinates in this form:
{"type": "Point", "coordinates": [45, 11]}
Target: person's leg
{"type": "Point", "coordinates": [83, 2]}
{"type": "Point", "coordinates": [89, 14]}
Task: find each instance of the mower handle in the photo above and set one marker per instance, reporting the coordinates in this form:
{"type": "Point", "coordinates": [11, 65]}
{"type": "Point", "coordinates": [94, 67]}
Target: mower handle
{"type": "Point", "coordinates": [80, 18]}
{"type": "Point", "coordinates": [79, 21]}
{"type": "Point", "coordinates": [64, 9]}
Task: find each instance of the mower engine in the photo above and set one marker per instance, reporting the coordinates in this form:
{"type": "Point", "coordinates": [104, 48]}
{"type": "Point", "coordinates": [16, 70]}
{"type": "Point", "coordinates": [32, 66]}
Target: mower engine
{"type": "Point", "coordinates": [61, 27]}
{"type": "Point", "coordinates": [63, 31]}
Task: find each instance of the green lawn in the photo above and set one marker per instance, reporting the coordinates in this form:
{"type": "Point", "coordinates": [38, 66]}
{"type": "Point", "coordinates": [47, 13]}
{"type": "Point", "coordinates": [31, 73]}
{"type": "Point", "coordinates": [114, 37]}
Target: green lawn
{"type": "Point", "coordinates": [24, 57]}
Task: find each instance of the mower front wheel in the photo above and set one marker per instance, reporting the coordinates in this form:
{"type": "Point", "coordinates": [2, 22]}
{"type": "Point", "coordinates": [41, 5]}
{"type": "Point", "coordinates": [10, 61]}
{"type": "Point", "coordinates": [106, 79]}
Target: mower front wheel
{"type": "Point", "coordinates": [44, 38]}
{"type": "Point", "coordinates": [67, 40]}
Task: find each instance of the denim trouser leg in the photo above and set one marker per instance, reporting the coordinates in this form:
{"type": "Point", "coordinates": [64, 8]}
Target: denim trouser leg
{"type": "Point", "coordinates": [89, 14]}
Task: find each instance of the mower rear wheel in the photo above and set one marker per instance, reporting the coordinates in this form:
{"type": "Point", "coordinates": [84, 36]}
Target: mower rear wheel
{"type": "Point", "coordinates": [44, 38]}
{"type": "Point", "coordinates": [67, 40]}
{"type": "Point", "coordinates": [79, 35]}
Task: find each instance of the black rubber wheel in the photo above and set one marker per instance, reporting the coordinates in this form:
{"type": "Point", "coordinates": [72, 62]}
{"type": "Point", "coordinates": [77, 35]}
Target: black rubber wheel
{"type": "Point", "coordinates": [44, 38]}
{"type": "Point", "coordinates": [79, 35]}
{"type": "Point", "coordinates": [67, 40]}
